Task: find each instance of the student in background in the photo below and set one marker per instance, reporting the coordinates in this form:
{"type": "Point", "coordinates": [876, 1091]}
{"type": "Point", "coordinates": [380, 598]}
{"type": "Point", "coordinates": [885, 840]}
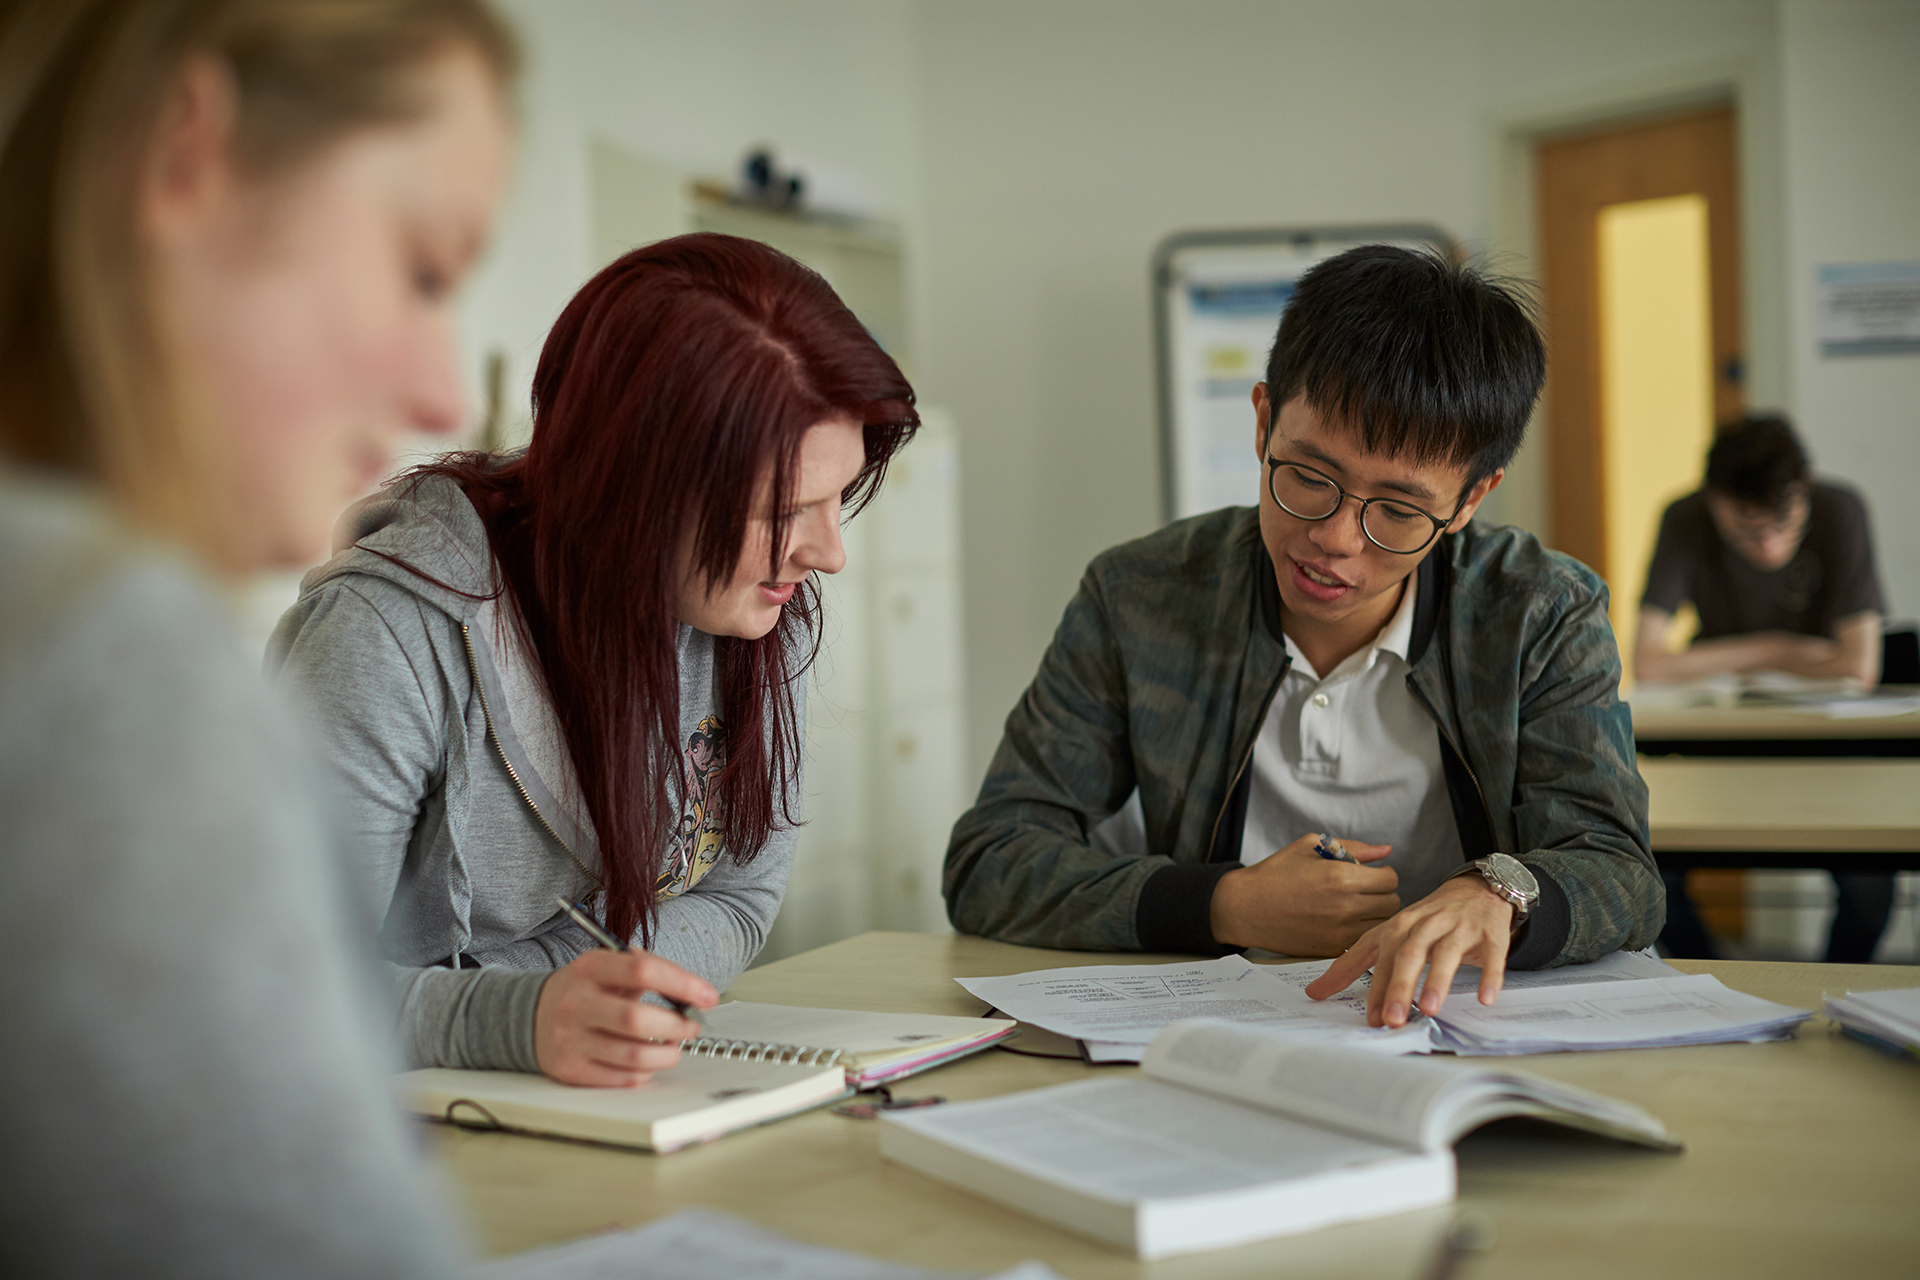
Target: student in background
{"type": "Point", "coordinates": [578, 671]}
{"type": "Point", "coordinates": [230, 228]}
{"type": "Point", "coordinates": [1779, 566]}
{"type": "Point", "coordinates": [1353, 657]}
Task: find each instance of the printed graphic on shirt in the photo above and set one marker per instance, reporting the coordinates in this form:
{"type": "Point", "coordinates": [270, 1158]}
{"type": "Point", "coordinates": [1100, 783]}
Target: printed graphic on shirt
{"type": "Point", "coordinates": [696, 840]}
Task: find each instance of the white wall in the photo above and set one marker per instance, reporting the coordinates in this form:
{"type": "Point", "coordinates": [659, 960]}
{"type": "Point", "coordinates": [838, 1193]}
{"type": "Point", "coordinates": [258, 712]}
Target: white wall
{"type": "Point", "coordinates": [1851, 71]}
{"type": "Point", "coordinates": [1035, 153]}
{"type": "Point", "coordinates": [1063, 140]}
{"type": "Point", "coordinates": [693, 85]}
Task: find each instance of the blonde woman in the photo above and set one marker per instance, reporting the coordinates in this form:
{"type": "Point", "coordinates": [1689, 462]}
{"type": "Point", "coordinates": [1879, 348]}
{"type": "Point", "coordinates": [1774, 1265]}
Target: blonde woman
{"type": "Point", "coordinates": [228, 231]}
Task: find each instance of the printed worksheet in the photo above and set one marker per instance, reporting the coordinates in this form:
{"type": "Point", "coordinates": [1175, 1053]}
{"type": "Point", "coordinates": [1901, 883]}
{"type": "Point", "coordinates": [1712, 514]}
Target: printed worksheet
{"type": "Point", "coordinates": [1125, 1004]}
{"type": "Point", "coordinates": [1621, 966]}
{"type": "Point", "coordinates": [697, 1244]}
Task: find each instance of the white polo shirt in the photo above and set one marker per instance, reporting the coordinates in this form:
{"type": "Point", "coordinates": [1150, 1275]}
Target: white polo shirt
{"type": "Point", "coordinates": [1355, 755]}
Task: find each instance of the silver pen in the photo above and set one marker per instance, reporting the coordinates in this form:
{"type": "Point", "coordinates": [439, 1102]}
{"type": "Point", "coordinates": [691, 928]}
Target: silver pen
{"type": "Point", "coordinates": [607, 940]}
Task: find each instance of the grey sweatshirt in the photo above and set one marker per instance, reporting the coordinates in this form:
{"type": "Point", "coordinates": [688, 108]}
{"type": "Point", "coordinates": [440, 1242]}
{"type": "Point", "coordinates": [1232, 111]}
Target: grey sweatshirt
{"type": "Point", "coordinates": [458, 793]}
{"type": "Point", "coordinates": [195, 1079]}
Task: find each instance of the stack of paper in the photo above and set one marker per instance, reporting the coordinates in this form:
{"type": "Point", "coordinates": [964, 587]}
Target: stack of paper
{"type": "Point", "coordinates": [1890, 1019]}
{"type": "Point", "coordinates": [1629, 1000]}
{"type": "Point", "coordinates": [1116, 1008]}
{"type": "Point", "coordinates": [1643, 1013]}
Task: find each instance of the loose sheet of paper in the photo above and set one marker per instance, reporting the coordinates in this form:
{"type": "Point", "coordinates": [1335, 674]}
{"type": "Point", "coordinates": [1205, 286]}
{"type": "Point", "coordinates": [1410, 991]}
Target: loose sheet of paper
{"type": "Point", "coordinates": [698, 1244]}
{"type": "Point", "coordinates": [1119, 1004]}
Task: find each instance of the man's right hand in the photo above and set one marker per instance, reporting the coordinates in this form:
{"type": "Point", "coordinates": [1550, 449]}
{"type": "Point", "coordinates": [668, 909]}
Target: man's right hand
{"type": "Point", "coordinates": [1301, 904]}
{"type": "Point", "coordinates": [591, 1027]}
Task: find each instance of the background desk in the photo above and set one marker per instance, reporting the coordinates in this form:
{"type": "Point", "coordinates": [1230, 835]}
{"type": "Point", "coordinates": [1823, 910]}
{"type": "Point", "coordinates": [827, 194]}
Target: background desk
{"type": "Point", "coordinates": [1854, 815]}
{"type": "Point", "coordinates": [1803, 1157]}
{"type": "Point", "coordinates": [1761, 729]}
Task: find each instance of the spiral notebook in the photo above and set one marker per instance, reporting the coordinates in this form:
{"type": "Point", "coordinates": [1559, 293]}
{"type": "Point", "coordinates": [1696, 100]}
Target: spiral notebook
{"type": "Point", "coordinates": [756, 1063]}
{"type": "Point", "coordinates": [697, 1101]}
{"type": "Point", "coordinates": [873, 1048]}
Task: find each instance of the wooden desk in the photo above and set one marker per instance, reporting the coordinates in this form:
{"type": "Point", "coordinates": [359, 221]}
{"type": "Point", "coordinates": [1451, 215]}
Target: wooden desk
{"type": "Point", "coordinates": [1802, 1157]}
{"type": "Point", "coordinates": [1858, 815]}
{"type": "Point", "coordinates": [1772, 730]}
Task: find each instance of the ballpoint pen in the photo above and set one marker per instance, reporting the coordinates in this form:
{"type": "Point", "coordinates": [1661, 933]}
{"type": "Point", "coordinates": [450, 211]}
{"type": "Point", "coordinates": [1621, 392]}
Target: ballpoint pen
{"type": "Point", "coordinates": [608, 941]}
{"type": "Point", "coordinates": [1333, 851]}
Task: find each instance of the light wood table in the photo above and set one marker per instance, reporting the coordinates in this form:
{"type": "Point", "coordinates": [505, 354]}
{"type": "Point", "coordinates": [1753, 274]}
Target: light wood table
{"type": "Point", "coordinates": [1857, 815]}
{"type": "Point", "coordinates": [1803, 1157]}
{"type": "Point", "coordinates": [1772, 729]}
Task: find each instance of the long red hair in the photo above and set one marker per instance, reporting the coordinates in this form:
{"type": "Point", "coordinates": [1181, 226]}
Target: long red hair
{"type": "Point", "coordinates": [675, 380]}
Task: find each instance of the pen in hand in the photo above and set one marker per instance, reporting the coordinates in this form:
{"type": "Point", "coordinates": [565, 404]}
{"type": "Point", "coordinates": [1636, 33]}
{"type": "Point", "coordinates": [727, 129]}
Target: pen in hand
{"type": "Point", "coordinates": [607, 940]}
{"type": "Point", "coordinates": [1333, 851]}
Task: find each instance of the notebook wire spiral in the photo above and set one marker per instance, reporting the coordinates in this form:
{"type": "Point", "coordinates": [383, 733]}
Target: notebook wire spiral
{"type": "Point", "coordinates": [788, 1055]}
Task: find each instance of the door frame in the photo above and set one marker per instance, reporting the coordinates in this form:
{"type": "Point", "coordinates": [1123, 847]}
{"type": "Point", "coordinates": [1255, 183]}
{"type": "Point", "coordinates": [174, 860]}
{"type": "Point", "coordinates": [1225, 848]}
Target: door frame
{"type": "Point", "coordinates": [1752, 88]}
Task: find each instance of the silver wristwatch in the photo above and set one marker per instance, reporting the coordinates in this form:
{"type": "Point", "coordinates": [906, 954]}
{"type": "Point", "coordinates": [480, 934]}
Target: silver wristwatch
{"type": "Point", "coordinates": [1508, 877]}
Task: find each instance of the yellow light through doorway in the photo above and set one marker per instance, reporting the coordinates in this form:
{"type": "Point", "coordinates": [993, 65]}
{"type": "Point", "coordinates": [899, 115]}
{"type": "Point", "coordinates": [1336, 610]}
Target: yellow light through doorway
{"type": "Point", "coordinates": [1656, 379]}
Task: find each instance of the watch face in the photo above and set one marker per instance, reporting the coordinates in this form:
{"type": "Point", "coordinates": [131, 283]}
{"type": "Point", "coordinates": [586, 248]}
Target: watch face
{"type": "Point", "coordinates": [1513, 873]}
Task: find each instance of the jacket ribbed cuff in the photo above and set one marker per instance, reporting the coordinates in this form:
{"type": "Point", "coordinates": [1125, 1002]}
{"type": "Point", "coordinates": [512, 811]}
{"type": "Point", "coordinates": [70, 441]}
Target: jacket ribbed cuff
{"type": "Point", "coordinates": [1176, 908]}
{"type": "Point", "coordinates": [1544, 936]}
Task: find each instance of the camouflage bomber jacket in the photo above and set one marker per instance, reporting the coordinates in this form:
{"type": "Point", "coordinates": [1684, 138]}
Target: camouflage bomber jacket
{"type": "Point", "coordinates": [1160, 676]}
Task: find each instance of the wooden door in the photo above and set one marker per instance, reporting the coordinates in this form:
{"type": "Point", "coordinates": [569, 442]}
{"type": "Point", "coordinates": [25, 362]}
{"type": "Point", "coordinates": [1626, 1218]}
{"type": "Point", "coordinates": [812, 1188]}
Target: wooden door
{"type": "Point", "coordinates": [1578, 176]}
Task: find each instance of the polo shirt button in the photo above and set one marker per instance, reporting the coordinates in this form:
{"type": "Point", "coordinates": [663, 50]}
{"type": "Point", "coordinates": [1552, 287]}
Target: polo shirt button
{"type": "Point", "coordinates": [1319, 699]}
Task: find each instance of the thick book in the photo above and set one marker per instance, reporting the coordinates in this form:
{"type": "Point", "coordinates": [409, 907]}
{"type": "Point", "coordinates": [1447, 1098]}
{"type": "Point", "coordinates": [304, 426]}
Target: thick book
{"type": "Point", "coordinates": [696, 1101]}
{"type": "Point", "coordinates": [1231, 1134]}
{"type": "Point", "coordinates": [873, 1048]}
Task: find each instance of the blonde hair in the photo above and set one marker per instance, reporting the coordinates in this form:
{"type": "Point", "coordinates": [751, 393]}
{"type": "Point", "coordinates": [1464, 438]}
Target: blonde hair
{"type": "Point", "coordinates": [88, 387]}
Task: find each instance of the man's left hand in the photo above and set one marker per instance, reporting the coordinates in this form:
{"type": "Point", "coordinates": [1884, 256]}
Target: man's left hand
{"type": "Point", "coordinates": [1462, 922]}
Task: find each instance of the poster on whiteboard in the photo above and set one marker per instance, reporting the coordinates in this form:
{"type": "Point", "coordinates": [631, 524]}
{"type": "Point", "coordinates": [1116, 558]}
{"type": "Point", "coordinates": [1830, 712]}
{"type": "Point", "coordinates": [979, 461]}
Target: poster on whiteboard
{"type": "Point", "coordinates": [1218, 296]}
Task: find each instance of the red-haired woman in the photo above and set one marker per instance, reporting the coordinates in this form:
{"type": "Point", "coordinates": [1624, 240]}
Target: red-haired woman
{"type": "Point", "coordinates": [579, 671]}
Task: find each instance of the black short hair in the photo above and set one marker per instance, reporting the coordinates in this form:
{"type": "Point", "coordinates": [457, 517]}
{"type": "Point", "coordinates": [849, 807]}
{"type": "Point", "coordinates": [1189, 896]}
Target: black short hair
{"type": "Point", "coordinates": [1426, 359]}
{"type": "Point", "coordinates": [1757, 460]}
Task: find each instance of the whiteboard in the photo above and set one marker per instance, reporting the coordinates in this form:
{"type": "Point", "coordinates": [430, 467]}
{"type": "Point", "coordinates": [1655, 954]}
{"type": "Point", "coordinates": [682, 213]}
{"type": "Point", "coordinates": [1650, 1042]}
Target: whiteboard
{"type": "Point", "coordinates": [1218, 296]}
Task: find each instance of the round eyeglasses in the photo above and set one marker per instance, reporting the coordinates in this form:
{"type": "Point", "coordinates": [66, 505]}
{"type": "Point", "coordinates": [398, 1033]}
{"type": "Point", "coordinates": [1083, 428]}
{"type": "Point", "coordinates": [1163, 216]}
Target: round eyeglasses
{"type": "Point", "coordinates": [1391, 525]}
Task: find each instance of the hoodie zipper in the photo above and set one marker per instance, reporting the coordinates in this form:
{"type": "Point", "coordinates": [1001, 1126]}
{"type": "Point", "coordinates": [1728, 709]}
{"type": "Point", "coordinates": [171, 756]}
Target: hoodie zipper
{"type": "Point", "coordinates": [493, 735]}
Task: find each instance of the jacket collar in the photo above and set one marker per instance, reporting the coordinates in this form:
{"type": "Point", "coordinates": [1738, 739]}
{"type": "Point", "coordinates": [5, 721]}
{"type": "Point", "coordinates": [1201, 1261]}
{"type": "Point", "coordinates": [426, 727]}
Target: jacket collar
{"type": "Point", "coordinates": [1435, 579]}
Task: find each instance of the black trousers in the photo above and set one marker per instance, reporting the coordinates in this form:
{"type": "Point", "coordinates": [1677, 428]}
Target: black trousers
{"type": "Point", "coordinates": [1861, 910]}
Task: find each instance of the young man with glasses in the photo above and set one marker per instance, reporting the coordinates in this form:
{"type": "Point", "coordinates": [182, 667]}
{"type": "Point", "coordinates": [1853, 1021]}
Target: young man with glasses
{"type": "Point", "coordinates": [1233, 702]}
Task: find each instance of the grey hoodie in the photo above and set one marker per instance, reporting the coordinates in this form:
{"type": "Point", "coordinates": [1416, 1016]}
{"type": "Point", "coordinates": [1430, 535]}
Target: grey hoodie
{"type": "Point", "coordinates": [194, 1074]}
{"type": "Point", "coordinates": [457, 792]}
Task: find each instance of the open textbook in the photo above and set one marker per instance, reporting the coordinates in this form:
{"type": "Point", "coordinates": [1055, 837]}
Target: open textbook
{"type": "Point", "coordinates": [698, 1244]}
{"type": "Point", "coordinates": [1232, 1133]}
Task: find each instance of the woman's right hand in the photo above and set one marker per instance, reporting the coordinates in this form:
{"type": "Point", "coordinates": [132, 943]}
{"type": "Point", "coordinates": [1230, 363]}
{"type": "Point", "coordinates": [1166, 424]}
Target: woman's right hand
{"type": "Point", "coordinates": [590, 1026]}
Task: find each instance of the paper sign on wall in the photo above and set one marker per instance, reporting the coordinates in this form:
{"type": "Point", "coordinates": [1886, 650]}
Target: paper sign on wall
{"type": "Point", "coordinates": [1869, 308]}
